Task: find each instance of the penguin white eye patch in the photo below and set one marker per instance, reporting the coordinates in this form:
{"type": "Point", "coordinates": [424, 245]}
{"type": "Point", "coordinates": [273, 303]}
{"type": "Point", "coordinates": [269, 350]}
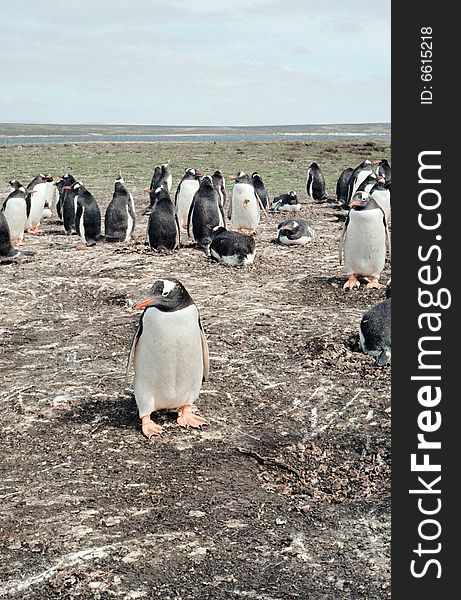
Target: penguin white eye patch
{"type": "Point", "coordinates": [167, 286]}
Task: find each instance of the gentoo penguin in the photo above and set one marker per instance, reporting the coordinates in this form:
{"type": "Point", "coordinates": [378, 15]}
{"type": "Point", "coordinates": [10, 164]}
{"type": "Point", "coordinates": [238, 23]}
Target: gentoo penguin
{"type": "Point", "coordinates": [219, 185]}
{"type": "Point", "coordinates": [155, 178]}
{"type": "Point", "coordinates": [37, 190]}
{"type": "Point", "coordinates": [170, 355]}
{"type": "Point", "coordinates": [65, 182]}
{"type": "Point", "coordinates": [358, 176]}
{"type": "Point", "coordinates": [260, 189]}
{"type": "Point", "coordinates": [286, 203]}
{"type": "Point", "coordinates": [383, 169]}
{"type": "Point", "coordinates": [50, 200]}
{"type": "Point", "coordinates": [232, 248]}
{"type": "Point", "coordinates": [244, 207]}
{"type": "Point", "coordinates": [375, 332]}
{"type": "Point", "coordinates": [364, 241]}
{"type": "Point", "coordinates": [185, 191]}
{"type": "Point", "coordinates": [87, 216]}
{"type": "Point", "coordinates": [341, 187]}
{"type": "Point", "coordinates": [205, 214]}
{"type": "Point", "coordinates": [69, 206]}
{"type": "Point", "coordinates": [15, 209]}
{"type": "Point", "coordinates": [163, 227]}
{"type": "Point", "coordinates": [381, 193]}
{"type": "Point", "coordinates": [166, 177]}
{"type": "Point", "coordinates": [120, 218]}
{"type": "Point", "coordinates": [297, 232]}
{"type": "Point", "coordinates": [315, 185]}
{"type": "Point", "coordinates": [7, 252]}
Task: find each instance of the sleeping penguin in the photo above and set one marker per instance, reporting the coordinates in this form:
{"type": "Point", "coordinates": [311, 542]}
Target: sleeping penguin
{"type": "Point", "coordinates": [232, 248]}
{"type": "Point", "coordinates": [286, 203]}
{"type": "Point", "coordinates": [170, 355]}
{"type": "Point", "coordinates": [375, 332]}
{"type": "Point", "coordinates": [295, 232]}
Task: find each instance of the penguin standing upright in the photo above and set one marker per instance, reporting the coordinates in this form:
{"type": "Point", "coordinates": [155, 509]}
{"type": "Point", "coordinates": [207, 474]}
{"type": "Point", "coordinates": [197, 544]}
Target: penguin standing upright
{"type": "Point", "coordinates": [219, 184]}
{"type": "Point", "coordinates": [16, 208]}
{"type": "Point", "coordinates": [49, 198]}
{"type": "Point", "coordinates": [7, 252]}
{"type": "Point", "coordinates": [232, 248]}
{"type": "Point", "coordinates": [364, 242]}
{"type": "Point", "coordinates": [206, 213]}
{"type": "Point", "coordinates": [315, 185]}
{"type": "Point", "coordinates": [155, 178]}
{"type": "Point", "coordinates": [37, 190]}
{"type": "Point", "coordinates": [170, 355]}
{"type": "Point", "coordinates": [69, 206]}
{"type": "Point", "coordinates": [383, 169]}
{"type": "Point", "coordinates": [62, 187]}
{"type": "Point", "coordinates": [120, 218]}
{"type": "Point", "coordinates": [185, 191]}
{"type": "Point", "coordinates": [87, 216]}
{"type": "Point", "coordinates": [244, 207]}
{"type": "Point", "coordinates": [381, 193]}
{"type": "Point", "coordinates": [163, 227]}
{"type": "Point", "coordinates": [295, 232]}
{"type": "Point", "coordinates": [358, 176]}
{"type": "Point", "coordinates": [375, 332]}
{"type": "Point", "coordinates": [342, 187]}
{"type": "Point", "coordinates": [166, 178]}
{"type": "Point", "coordinates": [260, 189]}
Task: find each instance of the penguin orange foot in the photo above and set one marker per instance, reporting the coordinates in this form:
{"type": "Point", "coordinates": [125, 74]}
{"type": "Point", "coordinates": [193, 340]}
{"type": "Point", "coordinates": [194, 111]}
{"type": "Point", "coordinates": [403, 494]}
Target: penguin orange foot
{"type": "Point", "coordinates": [374, 283]}
{"type": "Point", "coordinates": [187, 418]}
{"type": "Point", "coordinates": [351, 283]}
{"type": "Point", "coordinates": [34, 230]}
{"type": "Point", "coordinates": [149, 428]}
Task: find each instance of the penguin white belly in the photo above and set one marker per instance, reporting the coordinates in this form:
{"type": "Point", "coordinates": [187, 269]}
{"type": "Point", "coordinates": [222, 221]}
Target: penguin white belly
{"type": "Point", "coordinates": [49, 194]}
{"type": "Point", "coordinates": [168, 360]}
{"type": "Point", "coordinates": [81, 225]}
{"type": "Point", "coordinates": [302, 241]}
{"type": "Point", "coordinates": [365, 243]}
{"type": "Point", "coordinates": [15, 213]}
{"type": "Point", "coordinates": [169, 182]}
{"type": "Point", "coordinates": [245, 207]}
{"type": "Point", "coordinates": [185, 196]}
{"type": "Point", "coordinates": [130, 225]}
{"type": "Point", "coordinates": [289, 208]}
{"type": "Point", "coordinates": [37, 204]}
{"type": "Point", "coordinates": [234, 260]}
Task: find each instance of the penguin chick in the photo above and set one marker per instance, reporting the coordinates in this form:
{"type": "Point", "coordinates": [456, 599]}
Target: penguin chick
{"type": "Point", "coordinates": [170, 355]}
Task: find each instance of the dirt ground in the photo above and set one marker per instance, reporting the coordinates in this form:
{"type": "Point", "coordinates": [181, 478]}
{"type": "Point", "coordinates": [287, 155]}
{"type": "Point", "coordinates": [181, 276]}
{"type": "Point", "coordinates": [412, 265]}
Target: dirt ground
{"type": "Point", "coordinates": [285, 494]}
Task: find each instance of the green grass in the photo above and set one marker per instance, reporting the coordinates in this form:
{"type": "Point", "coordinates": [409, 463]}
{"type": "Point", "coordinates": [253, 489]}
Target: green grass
{"type": "Point", "coordinates": [283, 165]}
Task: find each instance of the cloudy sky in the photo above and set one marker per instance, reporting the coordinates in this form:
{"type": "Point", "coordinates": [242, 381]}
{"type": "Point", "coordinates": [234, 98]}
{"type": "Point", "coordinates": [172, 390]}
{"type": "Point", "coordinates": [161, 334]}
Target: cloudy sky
{"type": "Point", "coordinates": [200, 62]}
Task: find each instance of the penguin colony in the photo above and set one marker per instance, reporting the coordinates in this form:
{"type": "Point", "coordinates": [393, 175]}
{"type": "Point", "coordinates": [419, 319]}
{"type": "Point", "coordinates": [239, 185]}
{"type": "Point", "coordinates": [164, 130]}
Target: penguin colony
{"type": "Point", "coordinates": [169, 350]}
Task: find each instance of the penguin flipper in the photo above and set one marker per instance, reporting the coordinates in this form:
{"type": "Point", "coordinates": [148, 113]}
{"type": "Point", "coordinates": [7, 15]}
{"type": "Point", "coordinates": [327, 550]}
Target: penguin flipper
{"type": "Point", "coordinates": [229, 209]}
{"type": "Point", "coordinates": [178, 232]}
{"type": "Point", "coordinates": [134, 343]}
{"type": "Point", "coordinates": [189, 216]}
{"type": "Point", "coordinates": [342, 242]}
{"type": "Point", "coordinates": [205, 353]}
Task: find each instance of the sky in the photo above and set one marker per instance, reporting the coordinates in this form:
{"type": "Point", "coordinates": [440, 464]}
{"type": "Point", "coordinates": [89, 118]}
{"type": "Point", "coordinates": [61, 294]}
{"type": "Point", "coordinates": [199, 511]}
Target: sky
{"type": "Point", "coordinates": [200, 62]}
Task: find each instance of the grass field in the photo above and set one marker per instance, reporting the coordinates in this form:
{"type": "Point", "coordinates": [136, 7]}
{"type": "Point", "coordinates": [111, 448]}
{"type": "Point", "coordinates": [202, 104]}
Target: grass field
{"type": "Point", "coordinates": [285, 494]}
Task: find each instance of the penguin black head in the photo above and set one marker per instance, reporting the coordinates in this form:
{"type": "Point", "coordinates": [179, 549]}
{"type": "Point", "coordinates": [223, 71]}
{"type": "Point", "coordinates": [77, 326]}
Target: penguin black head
{"type": "Point", "coordinates": [16, 185]}
{"type": "Point", "coordinates": [166, 295]}
{"type": "Point", "coordinates": [217, 230]}
{"type": "Point", "coordinates": [292, 194]}
{"type": "Point", "coordinates": [241, 177]}
{"type": "Point", "coordinates": [314, 165]}
{"type": "Point", "coordinates": [119, 186]}
{"type": "Point", "coordinates": [206, 182]}
{"type": "Point", "coordinates": [363, 201]}
{"type": "Point", "coordinates": [290, 226]}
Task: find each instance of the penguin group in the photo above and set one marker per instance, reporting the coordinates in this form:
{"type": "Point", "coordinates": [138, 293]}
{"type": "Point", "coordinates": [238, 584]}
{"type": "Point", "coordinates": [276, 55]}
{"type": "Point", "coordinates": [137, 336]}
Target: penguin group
{"type": "Point", "coordinates": [169, 350]}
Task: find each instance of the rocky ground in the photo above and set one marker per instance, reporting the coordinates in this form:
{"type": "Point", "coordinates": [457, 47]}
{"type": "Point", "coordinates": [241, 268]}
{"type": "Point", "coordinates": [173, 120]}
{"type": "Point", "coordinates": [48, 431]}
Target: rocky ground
{"type": "Point", "coordinates": [285, 494]}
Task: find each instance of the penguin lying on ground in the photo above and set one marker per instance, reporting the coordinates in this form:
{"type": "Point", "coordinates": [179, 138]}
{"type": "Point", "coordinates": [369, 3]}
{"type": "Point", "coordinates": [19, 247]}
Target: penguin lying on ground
{"type": "Point", "coordinates": [315, 185]}
{"type": "Point", "coordinates": [232, 248]}
{"type": "Point", "coordinates": [120, 219]}
{"type": "Point", "coordinates": [163, 227]}
{"type": "Point", "coordinates": [87, 216]}
{"type": "Point", "coordinates": [170, 355]}
{"type": "Point", "coordinates": [185, 191]}
{"type": "Point", "coordinates": [295, 232]}
{"type": "Point", "coordinates": [16, 208]}
{"type": "Point", "coordinates": [286, 203]}
{"type": "Point", "coordinates": [364, 241]}
{"type": "Point", "coordinates": [375, 332]}
{"type": "Point", "coordinates": [205, 213]}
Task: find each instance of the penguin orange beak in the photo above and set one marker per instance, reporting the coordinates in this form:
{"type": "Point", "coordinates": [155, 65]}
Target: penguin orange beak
{"type": "Point", "coordinates": [376, 162]}
{"type": "Point", "coordinates": [146, 302]}
{"type": "Point", "coordinates": [355, 203]}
